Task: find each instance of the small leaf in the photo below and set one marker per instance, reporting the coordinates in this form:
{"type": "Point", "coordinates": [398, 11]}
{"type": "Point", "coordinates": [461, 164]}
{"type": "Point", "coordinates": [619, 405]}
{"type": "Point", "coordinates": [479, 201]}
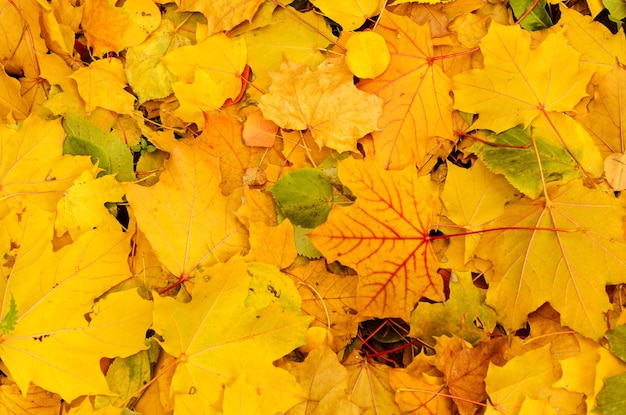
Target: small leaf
{"type": "Point", "coordinates": [304, 197]}
{"type": "Point", "coordinates": [367, 55]}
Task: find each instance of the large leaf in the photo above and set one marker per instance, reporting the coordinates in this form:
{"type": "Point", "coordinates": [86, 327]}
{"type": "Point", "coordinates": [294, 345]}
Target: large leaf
{"type": "Point", "coordinates": [384, 237]}
{"type": "Point", "coordinates": [216, 338]}
{"type": "Point", "coordinates": [564, 251]}
{"type": "Point", "coordinates": [184, 216]}
{"type": "Point", "coordinates": [61, 331]}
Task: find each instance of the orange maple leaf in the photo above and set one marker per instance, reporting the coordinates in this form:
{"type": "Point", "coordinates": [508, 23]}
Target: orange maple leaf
{"type": "Point", "coordinates": [415, 91]}
{"type": "Point", "coordinates": [384, 236]}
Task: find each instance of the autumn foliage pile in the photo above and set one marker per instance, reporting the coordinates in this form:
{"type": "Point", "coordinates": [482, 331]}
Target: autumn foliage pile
{"type": "Point", "coordinates": [327, 207]}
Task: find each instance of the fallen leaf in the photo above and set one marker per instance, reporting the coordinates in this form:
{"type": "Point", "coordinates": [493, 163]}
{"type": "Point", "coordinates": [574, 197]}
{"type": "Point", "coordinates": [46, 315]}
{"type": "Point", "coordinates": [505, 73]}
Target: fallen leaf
{"type": "Point", "coordinates": [465, 314]}
{"type": "Point", "coordinates": [272, 245]}
{"type": "Point", "coordinates": [82, 206]}
{"type": "Point", "coordinates": [102, 84]}
{"type": "Point", "coordinates": [222, 15]}
{"type": "Point", "coordinates": [528, 376]}
{"type": "Point", "coordinates": [12, 106]}
{"type": "Point", "coordinates": [215, 338]}
{"type": "Point", "coordinates": [367, 55]}
{"type": "Point", "coordinates": [324, 101]}
{"type": "Point", "coordinates": [290, 35]}
{"type": "Point", "coordinates": [61, 333]}
{"type": "Point", "coordinates": [325, 380]}
{"type": "Point", "coordinates": [557, 251]}
{"type": "Point", "coordinates": [384, 236]}
{"type": "Point", "coordinates": [195, 227]}
{"type": "Point", "coordinates": [33, 167]}
{"type": "Point", "coordinates": [416, 93]}
{"type": "Point", "coordinates": [109, 28]}
{"type": "Point", "coordinates": [533, 82]}
{"type": "Point", "coordinates": [350, 14]}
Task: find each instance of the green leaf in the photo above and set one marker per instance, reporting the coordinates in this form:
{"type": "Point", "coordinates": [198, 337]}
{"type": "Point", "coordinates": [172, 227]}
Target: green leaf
{"type": "Point", "coordinates": [84, 138]}
{"type": "Point", "coordinates": [127, 375]}
{"type": "Point", "coordinates": [304, 197]}
{"type": "Point", "coordinates": [537, 19]}
{"type": "Point", "coordinates": [304, 246]}
{"type": "Point", "coordinates": [617, 341]}
{"type": "Point", "coordinates": [519, 165]}
{"type": "Point", "coordinates": [7, 324]}
{"type": "Point", "coordinates": [612, 399]}
{"type": "Point", "coordinates": [616, 8]}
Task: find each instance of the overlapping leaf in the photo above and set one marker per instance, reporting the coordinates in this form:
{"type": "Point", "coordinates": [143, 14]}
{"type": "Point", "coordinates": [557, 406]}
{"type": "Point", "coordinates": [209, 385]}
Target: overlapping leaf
{"type": "Point", "coordinates": [564, 251]}
{"type": "Point", "coordinates": [61, 332]}
{"type": "Point", "coordinates": [184, 216]}
{"type": "Point", "coordinates": [384, 237]}
{"type": "Point", "coordinates": [216, 338]}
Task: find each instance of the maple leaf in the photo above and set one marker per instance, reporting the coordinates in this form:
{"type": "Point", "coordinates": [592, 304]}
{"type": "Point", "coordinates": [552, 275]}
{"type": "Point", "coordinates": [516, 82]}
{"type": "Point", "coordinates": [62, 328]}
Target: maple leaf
{"type": "Point", "coordinates": [102, 84]}
{"type": "Point", "coordinates": [184, 216]}
{"type": "Point", "coordinates": [384, 237]}
{"type": "Point", "coordinates": [522, 378]}
{"type": "Point", "coordinates": [111, 28]}
{"type": "Point", "coordinates": [560, 253]}
{"type": "Point", "coordinates": [324, 101]}
{"type": "Point", "coordinates": [529, 83]}
{"type": "Point", "coordinates": [216, 338]}
{"type": "Point", "coordinates": [464, 368]}
{"type": "Point", "coordinates": [416, 95]}
{"type": "Point", "coordinates": [61, 332]}
{"type": "Point", "coordinates": [33, 167]}
{"type": "Point", "coordinates": [82, 206]}
{"type": "Point", "coordinates": [289, 35]}
{"type": "Point", "coordinates": [326, 381]}
{"type": "Point", "coordinates": [273, 245]}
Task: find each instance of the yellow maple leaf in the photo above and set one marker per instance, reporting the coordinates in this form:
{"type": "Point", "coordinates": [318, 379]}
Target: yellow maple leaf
{"type": "Point", "coordinates": [528, 376]}
{"type": "Point", "coordinates": [60, 333]}
{"type": "Point", "coordinates": [200, 96]}
{"type": "Point", "coordinates": [324, 101]}
{"type": "Point", "coordinates": [326, 381]}
{"type": "Point", "coordinates": [102, 84]}
{"type": "Point", "coordinates": [273, 245]}
{"type": "Point", "coordinates": [223, 59]}
{"type": "Point", "coordinates": [557, 251]}
{"type": "Point", "coordinates": [298, 37]}
{"type": "Point", "coordinates": [416, 93]}
{"type": "Point", "coordinates": [109, 28]}
{"type": "Point", "coordinates": [184, 216]}
{"type": "Point", "coordinates": [82, 206]}
{"type": "Point", "coordinates": [531, 82]}
{"type": "Point", "coordinates": [384, 236]}
{"type": "Point", "coordinates": [216, 338]}
{"type": "Point", "coordinates": [33, 167]}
